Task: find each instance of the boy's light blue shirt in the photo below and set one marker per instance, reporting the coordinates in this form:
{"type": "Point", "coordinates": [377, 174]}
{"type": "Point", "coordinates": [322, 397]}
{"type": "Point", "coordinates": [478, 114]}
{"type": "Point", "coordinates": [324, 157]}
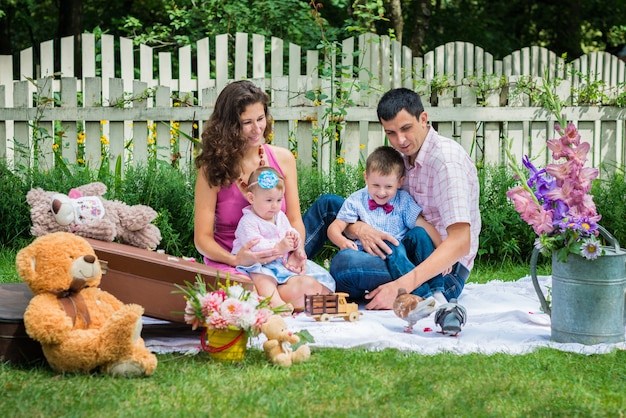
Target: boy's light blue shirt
{"type": "Point", "coordinates": [397, 222]}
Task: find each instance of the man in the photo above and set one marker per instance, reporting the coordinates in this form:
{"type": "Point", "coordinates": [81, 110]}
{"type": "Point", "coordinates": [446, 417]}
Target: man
{"type": "Point", "coordinates": [442, 179]}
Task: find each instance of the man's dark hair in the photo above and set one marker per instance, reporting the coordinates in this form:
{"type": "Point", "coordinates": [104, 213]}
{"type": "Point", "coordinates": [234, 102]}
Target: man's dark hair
{"type": "Point", "coordinates": [395, 100]}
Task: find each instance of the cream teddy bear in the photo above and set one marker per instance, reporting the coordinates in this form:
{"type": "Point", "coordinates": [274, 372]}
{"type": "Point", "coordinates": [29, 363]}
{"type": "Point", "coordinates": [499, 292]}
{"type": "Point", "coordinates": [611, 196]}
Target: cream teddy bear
{"type": "Point", "coordinates": [279, 340]}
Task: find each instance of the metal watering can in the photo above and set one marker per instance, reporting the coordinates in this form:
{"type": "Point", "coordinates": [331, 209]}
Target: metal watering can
{"type": "Point", "coordinates": [588, 296]}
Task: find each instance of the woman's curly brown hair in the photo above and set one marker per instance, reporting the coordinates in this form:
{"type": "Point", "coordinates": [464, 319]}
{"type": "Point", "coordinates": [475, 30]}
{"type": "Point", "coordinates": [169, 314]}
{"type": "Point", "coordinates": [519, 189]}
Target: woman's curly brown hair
{"type": "Point", "coordinates": [223, 147]}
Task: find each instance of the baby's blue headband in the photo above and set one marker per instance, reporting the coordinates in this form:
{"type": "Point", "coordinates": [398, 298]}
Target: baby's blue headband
{"type": "Point", "coordinates": [266, 180]}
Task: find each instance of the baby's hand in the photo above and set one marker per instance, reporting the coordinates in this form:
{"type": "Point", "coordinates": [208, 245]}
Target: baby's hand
{"type": "Point", "coordinates": [287, 244]}
{"type": "Point", "coordinates": [293, 236]}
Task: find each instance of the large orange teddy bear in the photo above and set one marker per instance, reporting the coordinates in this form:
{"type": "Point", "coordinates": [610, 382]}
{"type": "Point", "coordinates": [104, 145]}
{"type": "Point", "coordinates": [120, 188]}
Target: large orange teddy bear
{"type": "Point", "coordinates": [80, 327]}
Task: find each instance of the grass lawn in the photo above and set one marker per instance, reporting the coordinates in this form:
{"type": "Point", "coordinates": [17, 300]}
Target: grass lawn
{"type": "Point", "coordinates": [334, 382]}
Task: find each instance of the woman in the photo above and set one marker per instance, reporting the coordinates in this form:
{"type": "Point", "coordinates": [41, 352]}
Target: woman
{"type": "Point", "coordinates": [233, 146]}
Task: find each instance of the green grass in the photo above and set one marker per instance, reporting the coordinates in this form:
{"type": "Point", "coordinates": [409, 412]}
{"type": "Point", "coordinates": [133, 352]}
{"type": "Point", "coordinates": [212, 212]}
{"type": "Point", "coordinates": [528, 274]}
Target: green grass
{"type": "Point", "coordinates": [334, 382]}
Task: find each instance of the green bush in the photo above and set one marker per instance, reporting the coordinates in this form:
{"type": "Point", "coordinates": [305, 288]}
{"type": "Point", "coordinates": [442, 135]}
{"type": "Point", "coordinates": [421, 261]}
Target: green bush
{"type": "Point", "coordinates": [610, 197]}
{"type": "Point", "coordinates": [504, 238]}
{"type": "Point", "coordinates": [504, 235]}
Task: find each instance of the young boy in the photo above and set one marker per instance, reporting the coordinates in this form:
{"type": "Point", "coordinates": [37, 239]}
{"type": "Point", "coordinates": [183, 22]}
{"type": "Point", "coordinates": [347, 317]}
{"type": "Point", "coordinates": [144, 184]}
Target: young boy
{"type": "Point", "coordinates": [384, 206]}
{"type": "Point", "coordinates": [263, 220]}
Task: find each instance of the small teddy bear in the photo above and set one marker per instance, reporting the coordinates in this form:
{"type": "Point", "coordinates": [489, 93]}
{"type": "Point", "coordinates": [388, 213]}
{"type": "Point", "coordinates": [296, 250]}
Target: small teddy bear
{"type": "Point", "coordinates": [278, 345]}
{"type": "Point", "coordinates": [84, 212]}
{"type": "Point", "coordinates": [80, 327]}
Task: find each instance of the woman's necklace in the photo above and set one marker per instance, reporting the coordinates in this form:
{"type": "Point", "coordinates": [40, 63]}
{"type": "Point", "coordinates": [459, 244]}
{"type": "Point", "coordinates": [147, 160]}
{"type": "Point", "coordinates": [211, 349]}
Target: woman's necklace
{"type": "Point", "coordinates": [242, 183]}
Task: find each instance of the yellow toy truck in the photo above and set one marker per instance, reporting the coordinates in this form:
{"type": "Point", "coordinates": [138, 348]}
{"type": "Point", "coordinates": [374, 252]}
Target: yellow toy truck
{"type": "Point", "coordinates": [325, 307]}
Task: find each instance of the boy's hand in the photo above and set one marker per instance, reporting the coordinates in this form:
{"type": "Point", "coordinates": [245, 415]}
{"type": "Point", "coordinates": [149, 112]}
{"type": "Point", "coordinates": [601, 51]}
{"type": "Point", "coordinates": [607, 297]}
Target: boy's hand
{"type": "Point", "coordinates": [348, 243]}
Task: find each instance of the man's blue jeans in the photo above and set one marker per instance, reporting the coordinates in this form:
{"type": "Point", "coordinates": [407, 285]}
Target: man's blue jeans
{"type": "Point", "coordinates": [399, 263]}
{"type": "Point", "coordinates": [316, 221]}
{"type": "Point", "coordinates": [357, 272]}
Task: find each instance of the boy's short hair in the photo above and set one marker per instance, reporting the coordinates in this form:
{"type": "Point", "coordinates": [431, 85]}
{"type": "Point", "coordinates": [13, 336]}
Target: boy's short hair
{"type": "Point", "coordinates": [253, 180]}
{"type": "Point", "coordinates": [385, 160]}
{"type": "Point", "coordinates": [392, 102]}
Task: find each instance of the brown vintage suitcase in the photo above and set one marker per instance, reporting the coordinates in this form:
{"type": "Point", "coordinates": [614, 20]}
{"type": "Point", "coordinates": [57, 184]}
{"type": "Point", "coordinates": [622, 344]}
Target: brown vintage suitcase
{"type": "Point", "coordinates": [135, 275]}
{"type": "Point", "coordinates": [15, 345]}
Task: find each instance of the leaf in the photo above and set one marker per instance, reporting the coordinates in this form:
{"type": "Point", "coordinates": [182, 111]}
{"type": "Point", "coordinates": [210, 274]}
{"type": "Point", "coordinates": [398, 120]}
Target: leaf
{"type": "Point", "coordinates": [305, 338]}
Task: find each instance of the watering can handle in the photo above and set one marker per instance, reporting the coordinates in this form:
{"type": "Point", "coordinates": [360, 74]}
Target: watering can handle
{"type": "Point", "coordinates": [533, 273]}
{"type": "Point", "coordinates": [610, 238]}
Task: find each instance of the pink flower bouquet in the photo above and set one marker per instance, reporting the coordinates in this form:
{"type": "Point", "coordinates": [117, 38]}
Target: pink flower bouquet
{"type": "Point", "coordinates": [229, 307]}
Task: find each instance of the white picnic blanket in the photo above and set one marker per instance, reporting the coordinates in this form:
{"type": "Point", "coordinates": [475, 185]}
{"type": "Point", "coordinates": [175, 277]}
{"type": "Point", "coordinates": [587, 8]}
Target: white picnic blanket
{"type": "Point", "coordinates": [502, 317]}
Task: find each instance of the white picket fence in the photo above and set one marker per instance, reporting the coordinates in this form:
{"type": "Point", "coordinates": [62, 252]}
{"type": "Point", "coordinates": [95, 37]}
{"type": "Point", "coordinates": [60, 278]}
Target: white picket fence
{"type": "Point", "coordinates": [118, 98]}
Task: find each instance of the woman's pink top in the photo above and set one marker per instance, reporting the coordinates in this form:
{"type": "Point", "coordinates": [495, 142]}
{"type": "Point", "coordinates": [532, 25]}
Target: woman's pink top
{"type": "Point", "coordinates": [228, 211]}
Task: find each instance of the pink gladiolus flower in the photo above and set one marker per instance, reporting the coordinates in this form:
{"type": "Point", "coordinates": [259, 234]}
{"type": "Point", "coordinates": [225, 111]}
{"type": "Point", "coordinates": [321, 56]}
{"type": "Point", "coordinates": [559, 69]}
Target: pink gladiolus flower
{"type": "Point", "coordinates": [571, 137]}
{"type": "Point", "coordinates": [566, 217]}
{"type": "Point", "coordinates": [559, 149]}
{"type": "Point", "coordinates": [539, 218]}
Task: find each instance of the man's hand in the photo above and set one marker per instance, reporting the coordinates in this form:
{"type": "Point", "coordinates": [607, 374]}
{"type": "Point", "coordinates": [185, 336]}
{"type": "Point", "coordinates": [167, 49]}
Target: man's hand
{"type": "Point", "coordinates": [373, 240]}
{"type": "Point", "coordinates": [383, 296]}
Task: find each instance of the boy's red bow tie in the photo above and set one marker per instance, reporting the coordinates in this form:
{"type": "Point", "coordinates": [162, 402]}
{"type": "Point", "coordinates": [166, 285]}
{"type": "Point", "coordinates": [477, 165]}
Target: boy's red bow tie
{"type": "Point", "coordinates": [373, 205]}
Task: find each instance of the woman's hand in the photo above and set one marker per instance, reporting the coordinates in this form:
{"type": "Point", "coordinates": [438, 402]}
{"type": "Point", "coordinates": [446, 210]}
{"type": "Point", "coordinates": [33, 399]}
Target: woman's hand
{"type": "Point", "coordinates": [247, 257]}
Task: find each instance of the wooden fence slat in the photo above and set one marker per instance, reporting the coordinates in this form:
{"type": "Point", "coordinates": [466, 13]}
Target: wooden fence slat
{"type": "Point", "coordinates": [92, 97]}
{"type": "Point", "coordinates": [116, 129]}
{"type": "Point", "coordinates": [241, 56]}
{"type": "Point", "coordinates": [258, 57]}
{"type": "Point", "coordinates": [127, 63]}
{"type": "Point", "coordinates": [204, 67]}
{"type": "Point", "coordinates": [69, 144]}
{"type": "Point", "coordinates": [67, 56]}
{"type": "Point", "coordinates": [108, 62]}
{"type": "Point", "coordinates": [295, 95]}
{"type": "Point", "coordinates": [185, 81]}
{"type": "Point", "coordinates": [146, 59]}
{"type": "Point", "coordinates": [3, 125]}
{"type": "Point", "coordinates": [88, 41]}
{"type": "Point", "coordinates": [165, 71]}
{"type": "Point", "coordinates": [221, 65]}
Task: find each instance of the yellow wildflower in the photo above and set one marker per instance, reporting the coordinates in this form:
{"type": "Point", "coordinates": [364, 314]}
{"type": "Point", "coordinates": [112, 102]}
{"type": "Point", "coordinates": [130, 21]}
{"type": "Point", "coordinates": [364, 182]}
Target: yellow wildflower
{"type": "Point", "coordinates": [104, 140]}
{"type": "Point", "coordinates": [103, 122]}
{"type": "Point", "coordinates": [55, 147]}
{"type": "Point", "coordinates": [81, 138]}
{"type": "Point", "coordinates": [362, 146]}
{"type": "Point", "coordinates": [340, 160]}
